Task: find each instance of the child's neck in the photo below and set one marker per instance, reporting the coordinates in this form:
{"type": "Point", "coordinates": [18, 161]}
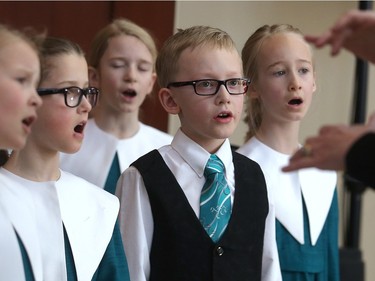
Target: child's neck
{"type": "Point", "coordinates": [30, 164]}
{"type": "Point", "coordinates": [121, 126]}
{"type": "Point", "coordinates": [210, 145]}
{"type": "Point", "coordinates": [283, 139]}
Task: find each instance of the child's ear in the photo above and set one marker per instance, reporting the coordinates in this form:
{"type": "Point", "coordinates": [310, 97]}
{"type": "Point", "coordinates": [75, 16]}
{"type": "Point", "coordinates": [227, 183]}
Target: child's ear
{"type": "Point", "coordinates": [168, 102]}
{"type": "Point", "coordinates": [93, 77]}
{"type": "Point", "coordinates": [314, 85]}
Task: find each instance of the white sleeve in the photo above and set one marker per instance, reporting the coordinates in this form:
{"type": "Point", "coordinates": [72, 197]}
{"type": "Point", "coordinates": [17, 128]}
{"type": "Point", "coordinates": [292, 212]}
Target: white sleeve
{"type": "Point", "coordinates": [270, 263]}
{"type": "Point", "coordinates": [136, 223]}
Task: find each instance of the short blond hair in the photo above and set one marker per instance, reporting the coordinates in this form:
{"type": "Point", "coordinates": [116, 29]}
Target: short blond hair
{"type": "Point", "coordinates": [167, 61]}
{"type": "Point", "coordinates": [120, 26]}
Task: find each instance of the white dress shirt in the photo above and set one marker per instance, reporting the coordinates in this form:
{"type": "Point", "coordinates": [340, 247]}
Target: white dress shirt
{"type": "Point", "coordinates": [187, 160]}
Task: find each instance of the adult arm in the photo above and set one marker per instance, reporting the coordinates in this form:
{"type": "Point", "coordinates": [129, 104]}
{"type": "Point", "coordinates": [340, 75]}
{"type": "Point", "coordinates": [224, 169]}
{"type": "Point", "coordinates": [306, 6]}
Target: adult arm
{"type": "Point", "coordinates": [328, 149]}
{"type": "Point", "coordinates": [360, 160]}
{"type": "Point", "coordinates": [340, 147]}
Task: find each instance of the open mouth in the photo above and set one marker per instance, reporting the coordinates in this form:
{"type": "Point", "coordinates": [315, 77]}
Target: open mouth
{"type": "Point", "coordinates": [79, 128]}
{"type": "Point", "coordinates": [129, 93]}
{"type": "Point", "coordinates": [224, 115]}
{"type": "Point", "coordinates": [28, 121]}
{"type": "Point", "coordinates": [296, 101]}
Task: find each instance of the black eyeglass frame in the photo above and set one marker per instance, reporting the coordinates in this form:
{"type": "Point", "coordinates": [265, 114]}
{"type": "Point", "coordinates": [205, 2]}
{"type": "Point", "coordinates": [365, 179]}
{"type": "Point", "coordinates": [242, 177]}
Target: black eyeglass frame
{"type": "Point", "coordinates": [92, 91]}
{"type": "Point", "coordinates": [219, 83]}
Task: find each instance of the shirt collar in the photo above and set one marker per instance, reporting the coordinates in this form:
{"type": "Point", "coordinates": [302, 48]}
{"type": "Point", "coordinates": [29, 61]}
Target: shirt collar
{"type": "Point", "coordinates": [196, 156]}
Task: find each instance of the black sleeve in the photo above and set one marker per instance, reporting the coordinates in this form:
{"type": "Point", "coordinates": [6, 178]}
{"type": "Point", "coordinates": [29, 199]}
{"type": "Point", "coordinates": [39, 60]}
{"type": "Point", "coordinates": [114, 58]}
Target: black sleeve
{"type": "Point", "coordinates": [360, 160]}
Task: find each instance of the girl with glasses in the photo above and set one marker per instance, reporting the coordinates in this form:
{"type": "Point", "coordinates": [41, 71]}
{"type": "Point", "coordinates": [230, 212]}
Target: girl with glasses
{"type": "Point", "coordinates": [19, 74]}
{"type": "Point", "coordinates": [68, 225]}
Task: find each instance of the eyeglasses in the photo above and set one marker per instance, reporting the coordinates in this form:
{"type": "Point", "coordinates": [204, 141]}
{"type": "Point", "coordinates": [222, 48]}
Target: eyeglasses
{"type": "Point", "coordinates": [73, 95]}
{"type": "Point", "coordinates": [209, 87]}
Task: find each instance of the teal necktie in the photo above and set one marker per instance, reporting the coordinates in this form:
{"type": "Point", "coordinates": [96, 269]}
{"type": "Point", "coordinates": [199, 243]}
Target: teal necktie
{"type": "Point", "coordinates": [215, 202]}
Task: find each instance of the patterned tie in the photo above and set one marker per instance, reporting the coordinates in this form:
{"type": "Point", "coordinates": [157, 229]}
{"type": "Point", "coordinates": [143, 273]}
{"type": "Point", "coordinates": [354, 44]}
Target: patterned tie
{"type": "Point", "coordinates": [215, 202]}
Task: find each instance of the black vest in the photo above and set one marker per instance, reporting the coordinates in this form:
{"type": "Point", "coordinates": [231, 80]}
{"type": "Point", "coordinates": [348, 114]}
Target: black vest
{"type": "Point", "coordinates": [182, 250]}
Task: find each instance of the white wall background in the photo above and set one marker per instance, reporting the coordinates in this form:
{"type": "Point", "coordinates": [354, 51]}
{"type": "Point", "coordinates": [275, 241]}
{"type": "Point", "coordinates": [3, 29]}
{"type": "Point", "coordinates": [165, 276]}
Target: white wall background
{"type": "Point", "coordinates": [335, 76]}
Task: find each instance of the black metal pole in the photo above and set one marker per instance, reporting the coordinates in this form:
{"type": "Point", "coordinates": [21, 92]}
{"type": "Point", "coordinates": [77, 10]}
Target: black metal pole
{"type": "Point", "coordinates": [352, 266]}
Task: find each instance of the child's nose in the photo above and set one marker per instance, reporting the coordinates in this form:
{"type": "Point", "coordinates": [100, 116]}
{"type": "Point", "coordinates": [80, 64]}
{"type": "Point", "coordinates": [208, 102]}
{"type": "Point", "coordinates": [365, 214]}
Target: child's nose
{"type": "Point", "coordinates": [295, 83]}
{"type": "Point", "coordinates": [223, 95]}
{"type": "Point", "coordinates": [85, 105]}
{"type": "Point", "coordinates": [130, 73]}
{"type": "Point", "coordinates": [35, 99]}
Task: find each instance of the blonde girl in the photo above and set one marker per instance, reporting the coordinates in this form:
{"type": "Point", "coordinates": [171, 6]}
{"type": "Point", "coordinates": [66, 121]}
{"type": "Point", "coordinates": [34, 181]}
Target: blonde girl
{"type": "Point", "coordinates": [280, 65]}
{"type": "Point", "coordinates": [122, 58]}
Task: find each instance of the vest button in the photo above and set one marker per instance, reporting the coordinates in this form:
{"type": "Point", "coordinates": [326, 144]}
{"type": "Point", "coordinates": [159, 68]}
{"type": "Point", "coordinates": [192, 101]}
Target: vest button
{"type": "Point", "coordinates": [219, 251]}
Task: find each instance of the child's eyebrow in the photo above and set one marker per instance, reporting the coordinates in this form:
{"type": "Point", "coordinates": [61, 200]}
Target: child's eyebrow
{"type": "Point", "coordinates": [282, 62]}
{"type": "Point", "coordinates": [275, 64]}
{"type": "Point", "coordinates": [68, 83]}
{"type": "Point", "coordinates": [145, 62]}
{"type": "Point", "coordinates": [123, 59]}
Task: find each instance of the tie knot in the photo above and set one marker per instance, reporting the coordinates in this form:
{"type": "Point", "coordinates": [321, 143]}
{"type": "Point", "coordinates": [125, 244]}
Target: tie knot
{"type": "Point", "coordinates": [213, 166]}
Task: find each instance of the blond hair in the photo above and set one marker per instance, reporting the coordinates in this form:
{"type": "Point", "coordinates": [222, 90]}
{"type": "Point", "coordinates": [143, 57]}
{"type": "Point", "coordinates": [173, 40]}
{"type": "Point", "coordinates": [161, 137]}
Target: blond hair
{"type": "Point", "coordinates": [250, 52]}
{"type": "Point", "coordinates": [120, 26]}
{"type": "Point", "coordinates": [196, 36]}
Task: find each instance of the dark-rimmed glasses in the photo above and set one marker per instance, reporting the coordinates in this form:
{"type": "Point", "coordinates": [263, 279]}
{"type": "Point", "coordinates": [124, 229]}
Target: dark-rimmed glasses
{"type": "Point", "coordinates": [73, 95]}
{"type": "Point", "coordinates": [209, 87]}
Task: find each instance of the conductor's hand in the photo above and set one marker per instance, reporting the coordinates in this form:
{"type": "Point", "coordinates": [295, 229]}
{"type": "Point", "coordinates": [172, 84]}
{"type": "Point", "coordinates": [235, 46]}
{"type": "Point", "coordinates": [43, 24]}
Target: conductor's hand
{"type": "Point", "coordinates": [328, 150]}
{"type": "Point", "coordinates": [354, 31]}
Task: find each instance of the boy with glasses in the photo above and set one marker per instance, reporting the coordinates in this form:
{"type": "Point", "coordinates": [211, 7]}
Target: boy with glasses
{"type": "Point", "coordinates": [170, 230]}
